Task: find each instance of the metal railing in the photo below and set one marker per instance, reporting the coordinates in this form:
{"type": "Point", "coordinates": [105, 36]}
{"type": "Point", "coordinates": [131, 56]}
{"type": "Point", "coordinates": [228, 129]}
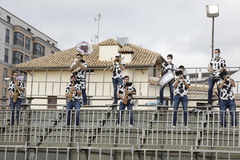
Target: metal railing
{"type": "Point", "coordinates": [103, 87]}
{"type": "Point", "coordinates": [151, 128]}
{"type": "Point", "coordinates": [41, 133]}
{"type": "Point", "coordinates": [25, 152]}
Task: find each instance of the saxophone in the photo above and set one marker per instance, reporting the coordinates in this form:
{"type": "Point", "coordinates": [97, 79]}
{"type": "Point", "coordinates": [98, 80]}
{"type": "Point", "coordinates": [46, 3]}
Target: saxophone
{"type": "Point", "coordinates": [16, 92]}
{"type": "Point", "coordinates": [71, 92]}
{"type": "Point", "coordinates": [125, 98]}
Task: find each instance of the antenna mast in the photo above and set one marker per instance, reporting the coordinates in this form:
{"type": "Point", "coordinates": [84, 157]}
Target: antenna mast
{"type": "Point", "coordinates": [98, 18]}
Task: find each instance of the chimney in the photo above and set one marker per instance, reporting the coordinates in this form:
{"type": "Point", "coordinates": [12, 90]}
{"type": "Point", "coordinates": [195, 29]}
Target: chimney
{"type": "Point", "coordinates": [108, 49]}
{"type": "Point", "coordinates": [127, 53]}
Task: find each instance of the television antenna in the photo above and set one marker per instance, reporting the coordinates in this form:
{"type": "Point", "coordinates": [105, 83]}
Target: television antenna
{"type": "Point", "coordinates": [98, 18]}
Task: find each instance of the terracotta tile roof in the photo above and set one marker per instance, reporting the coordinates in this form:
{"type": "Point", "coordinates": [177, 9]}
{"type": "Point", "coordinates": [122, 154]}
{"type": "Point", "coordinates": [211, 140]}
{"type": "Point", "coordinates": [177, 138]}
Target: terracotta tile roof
{"type": "Point", "coordinates": [141, 58]}
{"type": "Point", "coordinates": [109, 42]}
{"type": "Point", "coordinates": [126, 50]}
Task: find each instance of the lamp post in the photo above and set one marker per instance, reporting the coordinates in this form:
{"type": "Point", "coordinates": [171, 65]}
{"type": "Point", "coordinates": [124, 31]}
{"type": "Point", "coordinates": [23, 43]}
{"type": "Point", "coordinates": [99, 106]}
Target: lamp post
{"type": "Point", "coordinates": [212, 12]}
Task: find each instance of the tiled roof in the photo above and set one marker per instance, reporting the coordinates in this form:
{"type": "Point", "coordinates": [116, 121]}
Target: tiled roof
{"type": "Point", "coordinates": [109, 42]}
{"type": "Point", "coordinates": [126, 50]}
{"type": "Point", "coordinates": [63, 59]}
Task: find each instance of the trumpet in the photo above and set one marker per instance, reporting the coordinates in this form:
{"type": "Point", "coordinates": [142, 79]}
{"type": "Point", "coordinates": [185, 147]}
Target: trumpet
{"type": "Point", "coordinates": [118, 60]}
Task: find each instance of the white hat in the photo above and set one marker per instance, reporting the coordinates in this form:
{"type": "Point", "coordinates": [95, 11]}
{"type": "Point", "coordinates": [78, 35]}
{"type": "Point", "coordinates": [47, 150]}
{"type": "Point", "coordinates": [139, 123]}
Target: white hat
{"type": "Point", "coordinates": [118, 55]}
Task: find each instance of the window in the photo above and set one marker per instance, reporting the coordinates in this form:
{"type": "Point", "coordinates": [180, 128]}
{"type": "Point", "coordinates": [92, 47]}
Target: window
{"type": "Point", "coordinates": [38, 49]}
{"type": "Point", "coordinates": [6, 55]}
{"type": "Point", "coordinates": [18, 39]}
{"type": "Point", "coordinates": [26, 58]}
{"type": "Point", "coordinates": [17, 57]}
{"type": "Point", "coordinates": [8, 19]}
{"type": "Point", "coordinates": [28, 43]}
{"type": "Point", "coordinates": [155, 70]}
{"type": "Point", "coordinates": [7, 38]}
{"type": "Point", "coordinates": [4, 93]}
{"type": "Point", "coordinates": [5, 73]}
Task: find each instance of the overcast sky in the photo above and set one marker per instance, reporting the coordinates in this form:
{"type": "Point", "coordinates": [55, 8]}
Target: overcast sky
{"type": "Point", "coordinates": [180, 27]}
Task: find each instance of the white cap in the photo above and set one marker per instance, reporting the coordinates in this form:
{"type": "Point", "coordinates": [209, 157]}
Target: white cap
{"type": "Point", "coordinates": [118, 55]}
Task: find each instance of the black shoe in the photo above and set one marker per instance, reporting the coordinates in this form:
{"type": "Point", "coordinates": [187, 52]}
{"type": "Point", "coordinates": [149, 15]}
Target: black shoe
{"type": "Point", "coordinates": [114, 102]}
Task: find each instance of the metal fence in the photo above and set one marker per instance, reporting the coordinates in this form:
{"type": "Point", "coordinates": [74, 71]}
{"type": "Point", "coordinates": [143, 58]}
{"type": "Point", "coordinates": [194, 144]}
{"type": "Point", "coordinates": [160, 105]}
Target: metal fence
{"type": "Point", "coordinates": [44, 134]}
{"type": "Point", "coordinates": [100, 127]}
{"type": "Point", "coordinates": [26, 152]}
{"type": "Point", "coordinates": [103, 87]}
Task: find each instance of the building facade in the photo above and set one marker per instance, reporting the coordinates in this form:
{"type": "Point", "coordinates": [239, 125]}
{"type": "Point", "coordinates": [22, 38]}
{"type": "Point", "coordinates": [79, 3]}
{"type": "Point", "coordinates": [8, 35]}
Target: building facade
{"type": "Point", "coordinates": [45, 79]}
{"type": "Point", "coordinates": [20, 42]}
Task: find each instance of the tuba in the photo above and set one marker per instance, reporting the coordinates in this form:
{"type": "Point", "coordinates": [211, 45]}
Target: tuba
{"type": "Point", "coordinates": [76, 68]}
{"type": "Point", "coordinates": [84, 49]}
{"type": "Point", "coordinates": [16, 92]}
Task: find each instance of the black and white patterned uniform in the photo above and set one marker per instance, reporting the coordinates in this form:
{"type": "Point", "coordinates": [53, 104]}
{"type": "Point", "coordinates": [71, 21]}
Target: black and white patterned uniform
{"type": "Point", "coordinates": [81, 74]}
{"type": "Point", "coordinates": [181, 89]}
{"type": "Point", "coordinates": [75, 95]}
{"type": "Point", "coordinates": [166, 67]}
{"type": "Point", "coordinates": [121, 91]}
{"type": "Point", "coordinates": [117, 72]}
{"type": "Point", "coordinates": [217, 65]}
{"type": "Point", "coordinates": [12, 85]}
{"type": "Point", "coordinates": [226, 93]}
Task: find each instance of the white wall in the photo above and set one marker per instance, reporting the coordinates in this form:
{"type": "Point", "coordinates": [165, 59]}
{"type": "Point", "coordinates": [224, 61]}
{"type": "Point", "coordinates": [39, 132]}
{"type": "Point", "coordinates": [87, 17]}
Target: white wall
{"type": "Point", "coordinates": [107, 53]}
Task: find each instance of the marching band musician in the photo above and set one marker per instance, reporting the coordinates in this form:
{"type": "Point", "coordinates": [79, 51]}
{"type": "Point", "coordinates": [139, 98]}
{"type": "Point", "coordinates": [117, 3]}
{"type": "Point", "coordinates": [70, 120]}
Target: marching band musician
{"type": "Point", "coordinates": [181, 85]}
{"type": "Point", "coordinates": [216, 66]}
{"type": "Point", "coordinates": [166, 68]}
{"type": "Point", "coordinates": [80, 74]}
{"type": "Point", "coordinates": [16, 91]}
{"type": "Point", "coordinates": [226, 84]}
{"type": "Point", "coordinates": [125, 92]}
{"type": "Point", "coordinates": [73, 95]}
{"type": "Point", "coordinates": [117, 69]}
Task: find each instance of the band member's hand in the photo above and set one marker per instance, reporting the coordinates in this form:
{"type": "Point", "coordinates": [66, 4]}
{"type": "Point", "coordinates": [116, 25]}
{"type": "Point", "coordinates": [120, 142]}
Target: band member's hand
{"type": "Point", "coordinates": [73, 89]}
{"type": "Point", "coordinates": [128, 92]}
{"type": "Point", "coordinates": [210, 70]}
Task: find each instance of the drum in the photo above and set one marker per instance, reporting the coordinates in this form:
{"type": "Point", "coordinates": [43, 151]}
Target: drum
{"type": "Point", "coordinates": [166, 78]}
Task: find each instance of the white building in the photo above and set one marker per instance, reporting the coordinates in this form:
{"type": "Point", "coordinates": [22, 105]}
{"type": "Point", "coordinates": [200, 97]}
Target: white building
{"type": "Point", "coordinates": [48, 76]}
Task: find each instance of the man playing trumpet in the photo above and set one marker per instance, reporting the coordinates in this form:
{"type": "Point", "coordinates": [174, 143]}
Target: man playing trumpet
{"type": "Point", "coordinates": [78, 69]}
{"type": "Point", "coordinates": [117, 69]}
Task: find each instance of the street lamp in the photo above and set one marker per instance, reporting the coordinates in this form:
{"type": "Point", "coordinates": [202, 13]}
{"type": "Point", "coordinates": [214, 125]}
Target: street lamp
{"type": "Point", "coordinates": [212, 12]}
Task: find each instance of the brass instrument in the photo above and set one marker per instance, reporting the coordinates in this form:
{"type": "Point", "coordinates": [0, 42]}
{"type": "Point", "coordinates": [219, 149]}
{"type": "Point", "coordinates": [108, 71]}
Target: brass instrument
{"type": "Point", "coordinates": [16, 92]}
{"type": "Point", "coordinates": [125, 98]}
{"type": "Point", "coordinates": [77, 68]}
{"type": "Point", "coordinates": [71, 92]}
{"type": "Point", "coordinates": [118, 60]}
